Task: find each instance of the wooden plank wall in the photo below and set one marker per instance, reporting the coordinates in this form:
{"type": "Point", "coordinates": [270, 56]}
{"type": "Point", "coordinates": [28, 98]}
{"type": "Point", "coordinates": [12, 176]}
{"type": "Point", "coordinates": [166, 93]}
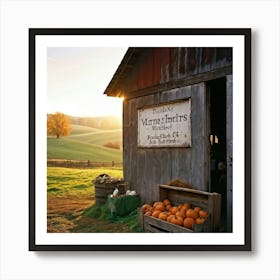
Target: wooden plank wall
{"type": "Point", "coordinates": [145, 168]}
{"type": "Point", "coordinates": [161, 65]}
{"type": "Point", "coordinates": [229, 152]}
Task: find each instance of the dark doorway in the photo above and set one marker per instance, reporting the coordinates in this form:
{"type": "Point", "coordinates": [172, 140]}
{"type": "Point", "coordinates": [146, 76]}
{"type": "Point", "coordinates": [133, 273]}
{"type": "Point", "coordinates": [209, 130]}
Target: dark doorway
{"type": "Point", "coordinates": [218, 144]}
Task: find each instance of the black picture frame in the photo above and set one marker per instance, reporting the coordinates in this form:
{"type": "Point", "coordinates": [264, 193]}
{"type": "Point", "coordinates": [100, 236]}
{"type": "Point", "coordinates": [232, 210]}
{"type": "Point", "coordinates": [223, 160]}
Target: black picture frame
{"type": "Point", "coordinates": [243, 32]}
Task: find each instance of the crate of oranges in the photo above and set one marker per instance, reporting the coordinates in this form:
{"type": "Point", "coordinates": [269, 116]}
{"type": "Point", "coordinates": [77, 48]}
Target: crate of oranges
{"type": "Point", "coordinates": [181, 210]}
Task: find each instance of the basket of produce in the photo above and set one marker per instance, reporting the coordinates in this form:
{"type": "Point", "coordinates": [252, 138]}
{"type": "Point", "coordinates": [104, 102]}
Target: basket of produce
{"type": "Point", "coordinates": [105, 185]}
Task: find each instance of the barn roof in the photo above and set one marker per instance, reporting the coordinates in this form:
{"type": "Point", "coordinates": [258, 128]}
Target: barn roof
{"type": "Point", "coordinates": [146, 70]}
{"type": "Point", "coordinates": [127, 63]}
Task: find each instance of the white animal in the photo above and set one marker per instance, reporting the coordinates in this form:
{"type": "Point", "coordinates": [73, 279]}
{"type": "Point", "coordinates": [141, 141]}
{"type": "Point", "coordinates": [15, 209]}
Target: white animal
{"type": "Point", "coordinates": [115, 192]}
{"type": "Point", "coordinates": [132, 193]}
{"type": "Point", "coordinates": [127, 192]}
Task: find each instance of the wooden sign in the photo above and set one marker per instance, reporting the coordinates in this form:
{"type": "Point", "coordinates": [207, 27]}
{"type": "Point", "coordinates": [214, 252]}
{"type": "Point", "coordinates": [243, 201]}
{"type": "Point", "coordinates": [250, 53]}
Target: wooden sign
{"type": "Point", "coordinates": [167, 125]}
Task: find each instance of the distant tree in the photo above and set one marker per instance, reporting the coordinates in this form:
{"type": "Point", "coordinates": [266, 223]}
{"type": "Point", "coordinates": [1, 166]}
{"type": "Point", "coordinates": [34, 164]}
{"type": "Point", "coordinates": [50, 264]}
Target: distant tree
{"type": "Point", "coordinates": [58, 125]}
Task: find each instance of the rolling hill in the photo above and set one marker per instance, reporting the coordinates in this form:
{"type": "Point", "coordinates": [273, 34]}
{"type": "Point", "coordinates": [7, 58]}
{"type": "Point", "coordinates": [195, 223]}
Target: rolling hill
{"type": "Point", "coordinates": [95, 136]}
{"type": "Point", "coordinates": [81, 129]}
{"type": "Point", "coordinates": [86, 143]}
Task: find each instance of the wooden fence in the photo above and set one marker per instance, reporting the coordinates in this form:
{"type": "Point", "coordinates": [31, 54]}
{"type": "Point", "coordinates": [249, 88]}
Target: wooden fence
{"type": "Point", "coordinates": [81, 163]}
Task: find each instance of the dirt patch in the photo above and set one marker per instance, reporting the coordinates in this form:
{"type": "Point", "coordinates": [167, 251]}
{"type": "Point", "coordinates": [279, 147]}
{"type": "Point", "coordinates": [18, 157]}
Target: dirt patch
{"type": "Point", "coordinates": [57, 223]}
{"type": "Point", "coordinates": [64, 205]}
{"type": "Point", "coordinates": [87, 224]}
{"type": "Point", "coordinates": [65, 215]}
{"type": "Point", "coordinates": [63, 212]}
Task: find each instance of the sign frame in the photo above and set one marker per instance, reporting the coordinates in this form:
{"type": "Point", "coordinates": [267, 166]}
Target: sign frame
{"type": "Point", "coordinates": [177, 102]}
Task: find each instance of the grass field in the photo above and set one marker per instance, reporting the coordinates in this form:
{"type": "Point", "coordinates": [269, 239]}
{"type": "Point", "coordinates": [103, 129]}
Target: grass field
{"type": "Point", "coordinates": [70, 194]}
{"type": "Point", "coordinates": [65, 148]}
{"type": "Point", "coordinates": [85, 143]}
{"type": "Point", "coordinates": [81, 129]}
{"type": "Point", "coordinates": [95, 136]}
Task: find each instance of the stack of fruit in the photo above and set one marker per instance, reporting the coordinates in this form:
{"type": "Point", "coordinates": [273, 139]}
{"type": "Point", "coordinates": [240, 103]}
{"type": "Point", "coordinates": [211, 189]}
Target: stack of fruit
{"type": "Point", "coordinates": [182, 215]}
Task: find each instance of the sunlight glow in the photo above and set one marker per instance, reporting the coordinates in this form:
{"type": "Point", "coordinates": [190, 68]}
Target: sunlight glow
{"type": "Point", "coordinates": [78, 77]}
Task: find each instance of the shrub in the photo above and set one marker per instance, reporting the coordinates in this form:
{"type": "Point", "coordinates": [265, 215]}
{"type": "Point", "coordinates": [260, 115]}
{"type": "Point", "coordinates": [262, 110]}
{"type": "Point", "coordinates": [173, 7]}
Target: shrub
{"type": "Point", "coordinates": [113, 145]}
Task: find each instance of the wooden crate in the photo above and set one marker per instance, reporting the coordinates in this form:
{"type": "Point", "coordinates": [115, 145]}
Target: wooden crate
{"type": "Point", "coordinates": [210, 202]}
{"type": "Point", "coordinates": [151, 224]}
{"type": "Point", "coordinates": [103, 190]}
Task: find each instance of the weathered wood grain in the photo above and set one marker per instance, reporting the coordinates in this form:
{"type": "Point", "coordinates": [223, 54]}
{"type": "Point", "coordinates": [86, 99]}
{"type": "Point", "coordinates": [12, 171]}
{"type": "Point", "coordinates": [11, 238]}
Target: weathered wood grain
{"type": "Point", "coordinates": [210, 202]}
{"type": "Point", "coordinates": [217, 211]}
{"type": "Point", "coordinates": [200, 133]}
{"type": "Point", "coordinates": [158, 225]}
{"type": "Point", "coordinates": [181, 82]}
{"type": "Point", "coordinates": [229, 127]}
{"type": "Point", "coordinates": [151, 224]}
{"type": "Point", "coordinates": [155, 76]}
{"type": "Point", "coordinates": [144, 168]}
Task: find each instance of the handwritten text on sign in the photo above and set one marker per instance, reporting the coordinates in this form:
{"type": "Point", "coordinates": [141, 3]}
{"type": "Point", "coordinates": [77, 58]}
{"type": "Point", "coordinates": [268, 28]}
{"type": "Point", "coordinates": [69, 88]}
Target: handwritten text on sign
{"type": "Point", "coordinates": [165, 126]}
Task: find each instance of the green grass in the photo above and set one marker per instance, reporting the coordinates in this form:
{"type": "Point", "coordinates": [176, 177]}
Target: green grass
{"type": "Point", "coordinates": [71, 208]}
{"type": "Point", "coordinates": [70, 191]}
{"type": "Point", "coordinates": [98, 138]}
{"type": "Point", "coordinates": [75, 182]}
{"type": "Point", "coordinates": [81, 129]}
{"type": "Point", "coordinates": [65, 148]}
{"type": "Point", "coordinates": [102, 212]}
{"type": "Point", "coordinates": [86, 143]}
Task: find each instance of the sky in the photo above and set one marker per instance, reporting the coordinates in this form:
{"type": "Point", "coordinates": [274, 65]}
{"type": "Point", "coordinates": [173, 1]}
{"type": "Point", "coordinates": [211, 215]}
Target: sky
{"type": "Point", "coordinates": [77, 79]}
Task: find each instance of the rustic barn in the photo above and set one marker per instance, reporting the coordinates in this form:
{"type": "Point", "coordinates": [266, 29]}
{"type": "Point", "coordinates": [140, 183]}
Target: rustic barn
{"type": "Point", "coordinates": [177, 119]}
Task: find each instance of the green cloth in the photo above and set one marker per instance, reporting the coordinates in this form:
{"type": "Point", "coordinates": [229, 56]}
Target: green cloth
{"type": "Point", "coordinates": [123, 205]}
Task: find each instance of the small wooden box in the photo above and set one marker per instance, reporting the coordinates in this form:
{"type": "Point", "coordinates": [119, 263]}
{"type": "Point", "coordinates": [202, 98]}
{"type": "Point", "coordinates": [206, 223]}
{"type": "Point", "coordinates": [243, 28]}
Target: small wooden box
{"type": "Point", "coordinates": [210, 202]}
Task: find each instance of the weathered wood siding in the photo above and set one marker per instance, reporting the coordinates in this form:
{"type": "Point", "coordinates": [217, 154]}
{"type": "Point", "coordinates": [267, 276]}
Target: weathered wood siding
{"type": "Point", "coordinates": [145, 168]}
{"type": "Point", "coordinates": [153, 76]}
{"type": "Point", "coordinates": [159, 66]}
{"type": "Point", "coordinates": [229, 152]}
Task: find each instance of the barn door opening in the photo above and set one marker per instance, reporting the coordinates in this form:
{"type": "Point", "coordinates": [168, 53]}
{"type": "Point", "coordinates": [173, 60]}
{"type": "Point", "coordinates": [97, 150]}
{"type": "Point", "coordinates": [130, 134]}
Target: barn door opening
{"type": "Point", "coordinates": [218, 143]}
